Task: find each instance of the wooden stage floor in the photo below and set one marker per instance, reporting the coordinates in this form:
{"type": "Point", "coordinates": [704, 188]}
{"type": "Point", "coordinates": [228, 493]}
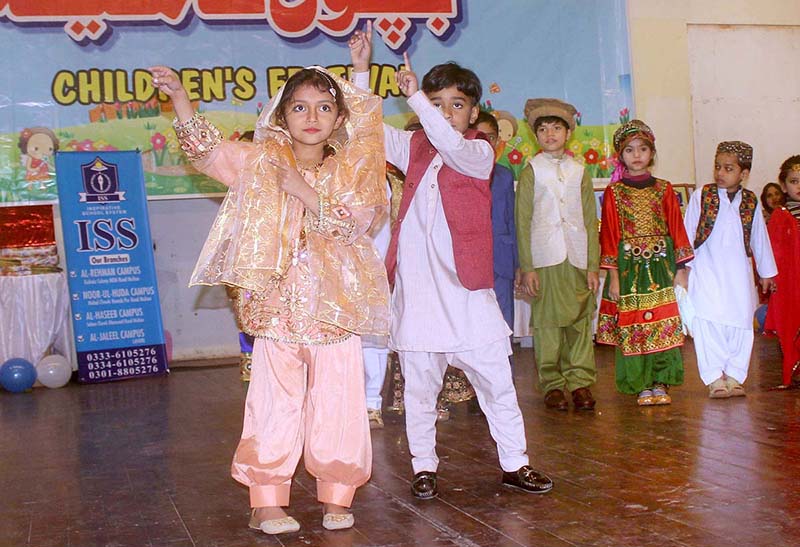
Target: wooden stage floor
{"type": "Point", "coordinates": [146, 463]}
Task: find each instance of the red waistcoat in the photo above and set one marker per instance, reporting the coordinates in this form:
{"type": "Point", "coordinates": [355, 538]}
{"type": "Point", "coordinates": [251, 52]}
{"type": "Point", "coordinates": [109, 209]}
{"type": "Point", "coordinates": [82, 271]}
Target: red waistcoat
{"type": "Point", "coordinates": [467, 203]}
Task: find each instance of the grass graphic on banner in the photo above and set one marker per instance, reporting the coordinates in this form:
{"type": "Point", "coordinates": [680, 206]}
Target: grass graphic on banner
{"type": "Point", "coordinates": [167, 172]}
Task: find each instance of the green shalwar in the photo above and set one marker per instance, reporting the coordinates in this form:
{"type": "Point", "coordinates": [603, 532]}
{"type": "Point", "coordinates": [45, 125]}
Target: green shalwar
{"type": "Point", "coordinates": [562, 312]}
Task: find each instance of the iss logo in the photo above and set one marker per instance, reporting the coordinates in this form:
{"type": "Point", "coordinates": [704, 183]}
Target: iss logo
{"type": "Point", "coordinates": [101, 182]}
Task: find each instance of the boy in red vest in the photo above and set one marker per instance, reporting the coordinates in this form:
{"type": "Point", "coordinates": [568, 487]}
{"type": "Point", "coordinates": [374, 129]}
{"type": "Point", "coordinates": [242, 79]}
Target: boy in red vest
{"type": "Point", "coordinates": [440, 260]}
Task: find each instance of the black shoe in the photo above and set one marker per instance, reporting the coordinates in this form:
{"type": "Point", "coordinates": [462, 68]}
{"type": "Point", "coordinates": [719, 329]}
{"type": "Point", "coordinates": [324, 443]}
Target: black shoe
{"type": "Point", "coordinates": [527, 479]}
{"type": "Point", "coordinates": [424, 485]}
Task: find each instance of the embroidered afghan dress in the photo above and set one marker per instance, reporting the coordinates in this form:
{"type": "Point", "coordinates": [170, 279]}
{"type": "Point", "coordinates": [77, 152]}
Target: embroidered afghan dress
{"type": "Point", "coordinates": [643, 237]}
{"type": "Point", "coordinates": [783, 315]}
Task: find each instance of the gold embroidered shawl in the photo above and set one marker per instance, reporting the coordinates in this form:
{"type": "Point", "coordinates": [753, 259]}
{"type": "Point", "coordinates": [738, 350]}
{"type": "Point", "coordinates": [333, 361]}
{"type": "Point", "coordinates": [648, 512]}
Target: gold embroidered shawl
{"type": "Point", "coordinates": [248, 245]}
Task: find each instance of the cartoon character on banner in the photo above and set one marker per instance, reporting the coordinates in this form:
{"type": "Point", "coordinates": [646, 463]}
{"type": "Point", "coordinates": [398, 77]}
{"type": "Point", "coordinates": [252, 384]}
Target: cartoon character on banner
{"type": "Point", "coordinates": [507, 128]}
{"type": "Point", "coordinates": [508, 150]}
{"type": "Point", "coordinates": [37, 144]}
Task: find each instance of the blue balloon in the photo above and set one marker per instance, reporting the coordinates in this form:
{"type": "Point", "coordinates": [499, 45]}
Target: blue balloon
{"type": "Point", "coordinates": [17, 375]}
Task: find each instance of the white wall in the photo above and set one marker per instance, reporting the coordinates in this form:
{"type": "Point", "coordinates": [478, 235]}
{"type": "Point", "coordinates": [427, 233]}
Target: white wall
{"type": "Point", "coordinates": [659, 44]}
{"type": "Point", "coordinates": [199, 319]}
{"type": "Point", "coordinates": [744, 87]}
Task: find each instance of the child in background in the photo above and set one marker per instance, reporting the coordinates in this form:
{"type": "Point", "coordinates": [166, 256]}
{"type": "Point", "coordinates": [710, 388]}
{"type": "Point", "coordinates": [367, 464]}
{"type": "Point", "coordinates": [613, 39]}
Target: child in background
{"type": "Point", "coordinates": [504, 232]}
{"type": "Point", "coordinates": [291, 236]}
{"type": "Point", "coordinates": [376, 348]}
{"type": "Point", "coordinates": [729, 230]}
{"type": "Point", "coordinates": [559, 256]}
{"type": "Point", "coordinates": [772, 197]}
{"type": "Point", "coordinates": [644, 248]}
{"type": "Point", "coordinates": [783, 314]}
{"type": "Point", "coordinates": [440, 259]}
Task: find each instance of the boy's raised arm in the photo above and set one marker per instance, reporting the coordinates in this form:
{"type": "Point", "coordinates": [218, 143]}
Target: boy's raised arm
{"type": "Point", "coordinates": [474, 158]}
{"type": "Point", "coordinates": [396, 142]}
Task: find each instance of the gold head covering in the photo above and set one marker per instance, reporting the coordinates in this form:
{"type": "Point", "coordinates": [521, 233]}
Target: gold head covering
{"type": "Point", "coordinates": [628, 131]}
{"type": "Point", "coordinates": [249, 244]}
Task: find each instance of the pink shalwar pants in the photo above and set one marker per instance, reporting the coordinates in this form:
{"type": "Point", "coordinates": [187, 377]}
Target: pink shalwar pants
{"type": "Point", "coordinates": [309, 400]}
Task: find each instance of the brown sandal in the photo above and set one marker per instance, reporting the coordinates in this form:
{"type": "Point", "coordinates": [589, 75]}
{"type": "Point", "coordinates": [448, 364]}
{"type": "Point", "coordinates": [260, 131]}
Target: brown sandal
{"type": "Point", "coordinates": [718, 389]}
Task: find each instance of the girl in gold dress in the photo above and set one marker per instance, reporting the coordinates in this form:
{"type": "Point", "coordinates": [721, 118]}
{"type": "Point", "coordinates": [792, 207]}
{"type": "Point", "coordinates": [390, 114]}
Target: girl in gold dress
{"type": "Point", "coordinates": [290, 236]}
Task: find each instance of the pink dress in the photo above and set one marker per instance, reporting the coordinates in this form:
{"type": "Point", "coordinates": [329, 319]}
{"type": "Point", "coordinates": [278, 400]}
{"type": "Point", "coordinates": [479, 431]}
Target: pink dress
{"type": "Point", "coordinates": [307, 288]}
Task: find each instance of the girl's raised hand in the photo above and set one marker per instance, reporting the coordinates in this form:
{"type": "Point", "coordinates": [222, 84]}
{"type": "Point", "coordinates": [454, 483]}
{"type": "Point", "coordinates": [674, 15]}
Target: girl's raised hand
{"type": "Point", "coordinates": [361, 48]}
{"type": "Point", "coordinates": [165, 80]}
{"type": "Point", "coordinates": [292, 182]}
{"type": "Point", "coordinates": [406, 79]}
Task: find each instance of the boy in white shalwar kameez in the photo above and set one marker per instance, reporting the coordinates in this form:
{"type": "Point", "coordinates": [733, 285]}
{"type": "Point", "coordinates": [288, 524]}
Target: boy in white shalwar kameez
{"type": "Point", "coordinates": [376, 348]}
{"type": "Point", "coordinates": [443, 306]}
{"type": "Point", "coordinates": [729, 230]}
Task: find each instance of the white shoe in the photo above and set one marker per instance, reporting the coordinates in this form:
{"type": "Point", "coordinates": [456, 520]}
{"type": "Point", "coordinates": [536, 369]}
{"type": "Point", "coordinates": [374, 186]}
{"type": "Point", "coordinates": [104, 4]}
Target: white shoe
{"type": "Point", "coordinates": [338, 521]}
{"type": "Point", "coordinates": [283, 525]}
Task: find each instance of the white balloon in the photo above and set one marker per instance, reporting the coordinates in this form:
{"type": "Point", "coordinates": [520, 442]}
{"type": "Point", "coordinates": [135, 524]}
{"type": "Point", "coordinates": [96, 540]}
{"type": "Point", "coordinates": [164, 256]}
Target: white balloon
{"type": "Point", "coordinates": [54, 371]}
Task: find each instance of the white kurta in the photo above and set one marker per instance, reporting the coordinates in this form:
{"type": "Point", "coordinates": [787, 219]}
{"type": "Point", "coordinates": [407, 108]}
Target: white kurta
{"type": "Point", "coordinates": [431, 309]}
{"type": "Point", "coordinates": [721, 284]}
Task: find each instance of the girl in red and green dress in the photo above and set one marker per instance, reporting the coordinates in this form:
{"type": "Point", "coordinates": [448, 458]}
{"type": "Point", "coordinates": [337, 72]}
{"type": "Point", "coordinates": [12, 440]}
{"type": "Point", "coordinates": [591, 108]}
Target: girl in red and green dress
{"type": "Point", "coordinates": [644, 247]}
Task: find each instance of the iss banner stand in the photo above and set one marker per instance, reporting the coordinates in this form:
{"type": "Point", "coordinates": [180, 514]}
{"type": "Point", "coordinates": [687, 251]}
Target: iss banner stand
{"type": "Point", "coordinates": [116, 315]}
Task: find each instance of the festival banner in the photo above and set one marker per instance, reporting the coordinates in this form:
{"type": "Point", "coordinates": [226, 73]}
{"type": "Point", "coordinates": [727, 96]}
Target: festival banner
{"type": "Point", "coordinates": [116, 315]}
{"type": "Point", "coordinates": [74, 74]}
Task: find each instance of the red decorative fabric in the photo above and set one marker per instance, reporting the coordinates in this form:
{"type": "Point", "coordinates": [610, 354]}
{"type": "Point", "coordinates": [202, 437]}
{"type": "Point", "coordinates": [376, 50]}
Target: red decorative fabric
{"type": "Point", "coordinates": [782, 313]}
{"type": "Point", "coordinates": [26, 226]}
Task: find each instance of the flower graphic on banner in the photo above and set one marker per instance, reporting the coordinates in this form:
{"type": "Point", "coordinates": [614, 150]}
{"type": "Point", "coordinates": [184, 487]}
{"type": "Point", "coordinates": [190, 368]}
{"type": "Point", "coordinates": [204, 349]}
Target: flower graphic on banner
{"type": "Point", "coordinates": [88, 145]}
{"type": "Point", "coordinates": [624, 115]}
{"type": "Point", "coordinates": [158, 141]}
{"type": "Point", "coordinates": [165, 150]}
{"type": "Point", "coordinates": [104, 146]}
{"type": "Point", "coordinates": [515, 157]}
{"type": "Point", "coordinates": [591, 156]}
